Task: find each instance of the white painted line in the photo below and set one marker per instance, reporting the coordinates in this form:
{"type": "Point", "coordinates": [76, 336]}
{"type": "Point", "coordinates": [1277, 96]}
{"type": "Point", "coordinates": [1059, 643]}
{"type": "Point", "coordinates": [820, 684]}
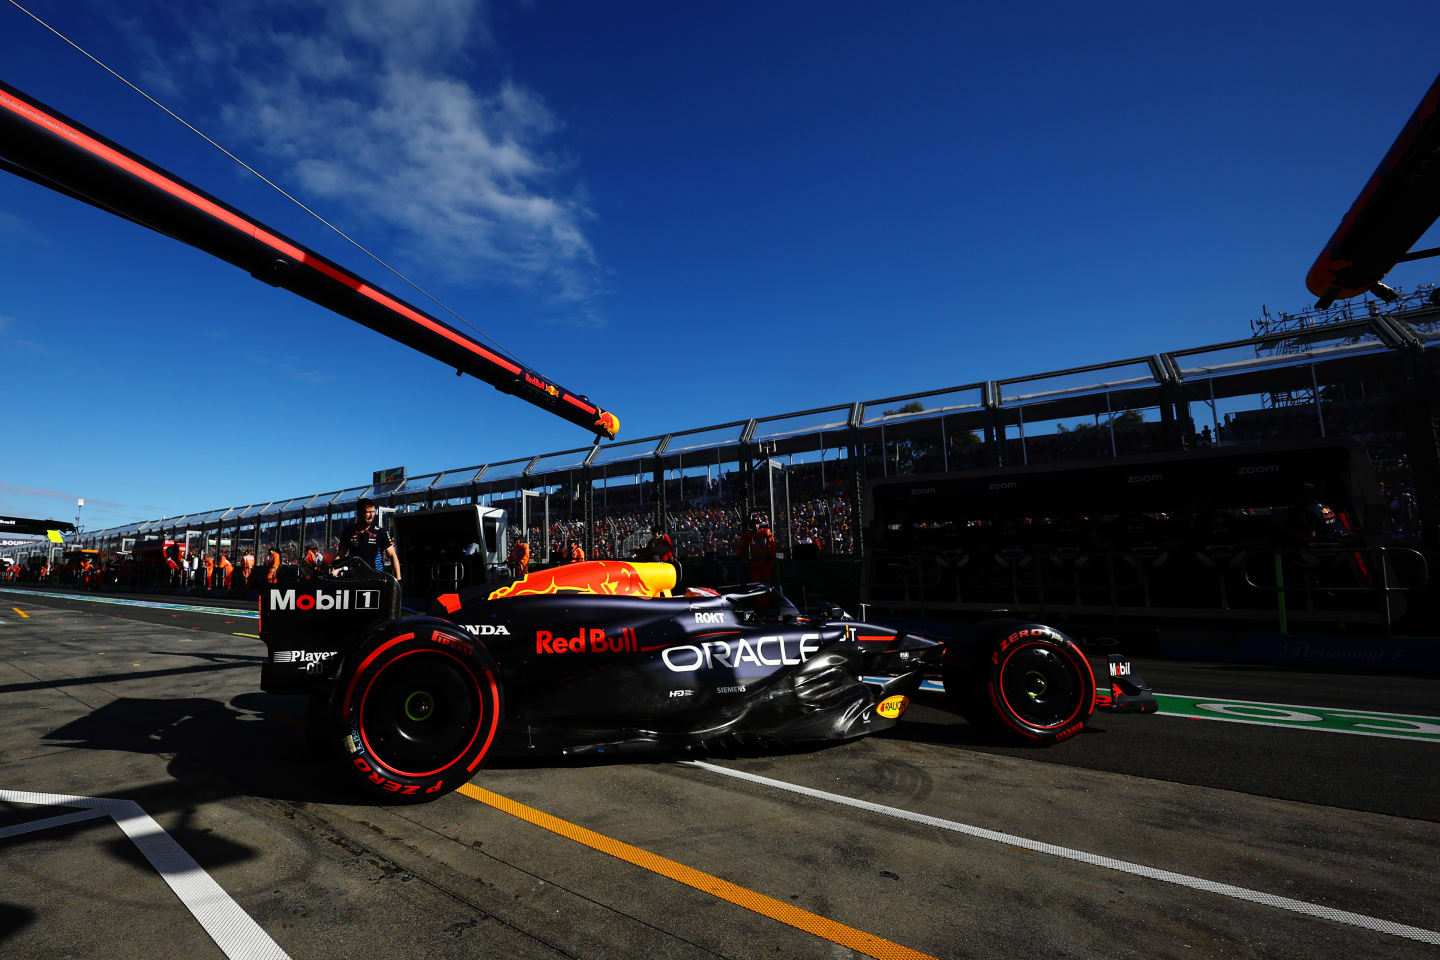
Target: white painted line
{"type": "Point", "coordinates": [232, 929]}
{"type": "Point", "coordinates": [1122, 866]}
{"type": "Point", "coordinates": [63, 819]}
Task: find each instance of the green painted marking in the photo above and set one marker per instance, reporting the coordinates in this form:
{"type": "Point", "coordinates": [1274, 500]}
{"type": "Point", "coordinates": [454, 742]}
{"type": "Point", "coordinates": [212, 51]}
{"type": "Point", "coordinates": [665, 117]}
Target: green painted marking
{"type": "Point", "coordinates": [1320, 719]}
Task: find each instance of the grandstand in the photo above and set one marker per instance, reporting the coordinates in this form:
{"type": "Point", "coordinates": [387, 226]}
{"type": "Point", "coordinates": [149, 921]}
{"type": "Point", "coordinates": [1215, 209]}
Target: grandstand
{"type": "Point", "coordinates": [1366, 371]}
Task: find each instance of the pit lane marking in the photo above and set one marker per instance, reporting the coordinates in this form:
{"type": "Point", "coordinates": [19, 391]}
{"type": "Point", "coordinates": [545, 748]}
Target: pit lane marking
{"type": "Point", "coordinates": [21, 612]}
{"type": "Point", "coordinates": [232, 929]}
{"type": "Point", "coordinates": [1295, 716]}
{"type": "Point", "coordinates": [149, 604]}
{"type": "Point", "coordinates": [846, 936]}
{"type": "Point", "coordinates": [1135, 869]}
{"type": "Point", "coordinates": [1391, 726]}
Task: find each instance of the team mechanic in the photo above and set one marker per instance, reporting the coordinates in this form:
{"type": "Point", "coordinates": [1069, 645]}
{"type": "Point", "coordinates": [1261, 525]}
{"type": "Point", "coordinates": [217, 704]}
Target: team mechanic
{"type": "Point", "coordinates": [368, 540]}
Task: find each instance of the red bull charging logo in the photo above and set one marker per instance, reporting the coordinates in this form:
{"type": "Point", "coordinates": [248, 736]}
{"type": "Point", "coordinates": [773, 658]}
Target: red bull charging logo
{"type": "Point", "coordinates": [610, 578]}
{"type": "Point", "coordinates": [609, 423]}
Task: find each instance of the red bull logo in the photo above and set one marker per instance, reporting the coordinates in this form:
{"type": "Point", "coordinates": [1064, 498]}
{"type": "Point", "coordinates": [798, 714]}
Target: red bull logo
{"type": "Point", "coordinates": [608, 578]}
{"type": "Point", "coordinates": [541, 385]}
{"type": "Point", "coordinates": [591, 640]}
{"type": "Point", "coordinates": [609, 423]}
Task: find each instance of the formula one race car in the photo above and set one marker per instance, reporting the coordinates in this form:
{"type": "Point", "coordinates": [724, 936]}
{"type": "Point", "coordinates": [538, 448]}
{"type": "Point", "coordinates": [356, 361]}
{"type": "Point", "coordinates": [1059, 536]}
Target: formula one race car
{"type": "Point", "coordinates": [598, 657]}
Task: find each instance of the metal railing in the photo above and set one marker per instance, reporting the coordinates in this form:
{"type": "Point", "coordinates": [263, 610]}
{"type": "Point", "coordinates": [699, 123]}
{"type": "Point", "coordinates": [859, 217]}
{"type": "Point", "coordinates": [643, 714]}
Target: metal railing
{"type": "Point", "coordinates": [934, 429]}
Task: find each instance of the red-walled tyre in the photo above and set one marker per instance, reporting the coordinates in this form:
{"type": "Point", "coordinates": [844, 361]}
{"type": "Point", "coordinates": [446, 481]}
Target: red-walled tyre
{"type": "Point", "coordinates": [1030, 683]}
{"type": "Point", "coordinates": [419, 709]}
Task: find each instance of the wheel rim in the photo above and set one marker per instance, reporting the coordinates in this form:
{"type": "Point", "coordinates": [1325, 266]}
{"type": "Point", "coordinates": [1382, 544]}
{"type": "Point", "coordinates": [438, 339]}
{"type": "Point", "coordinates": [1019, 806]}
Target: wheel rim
{"type": "Point", "coordinates": [419, 706]}
{"type": "Point", "coordinates": [1040, 685]}
{"type": "Point", "coordinates": [420, 714]}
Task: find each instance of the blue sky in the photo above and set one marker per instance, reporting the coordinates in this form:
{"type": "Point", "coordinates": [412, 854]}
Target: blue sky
{"type": "Point", "coordinates": [693, 213]}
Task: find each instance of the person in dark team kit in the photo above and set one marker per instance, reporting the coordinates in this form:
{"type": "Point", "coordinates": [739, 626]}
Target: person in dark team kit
{"type": "Point", "coordinates": [368, 540]}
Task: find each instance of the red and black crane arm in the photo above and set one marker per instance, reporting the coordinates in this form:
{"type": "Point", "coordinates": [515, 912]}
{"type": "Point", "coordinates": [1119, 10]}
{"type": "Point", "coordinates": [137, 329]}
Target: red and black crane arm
{"type": "Point", "coordinates": [1399, 202]}
{"type": "Point", "coordinates": [48, 148]}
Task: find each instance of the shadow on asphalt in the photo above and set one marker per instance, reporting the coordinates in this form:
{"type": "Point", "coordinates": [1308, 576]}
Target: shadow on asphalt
{"type": "Point", "coordinates": [256, 745]}
{"type": "Point", "coordinates": [256, 742]}
{"type": "Point", "coordinates": [13, 919]}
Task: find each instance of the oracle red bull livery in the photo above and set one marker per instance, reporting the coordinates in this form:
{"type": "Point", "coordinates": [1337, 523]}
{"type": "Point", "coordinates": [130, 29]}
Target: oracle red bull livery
{"type": "Point", "coordinates": [608, 657]}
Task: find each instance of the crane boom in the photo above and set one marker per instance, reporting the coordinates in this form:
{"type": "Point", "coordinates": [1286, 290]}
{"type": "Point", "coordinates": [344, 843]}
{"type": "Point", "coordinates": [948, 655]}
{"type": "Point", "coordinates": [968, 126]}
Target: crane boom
{"type": "Point", "coordinates": [42, 145]}
{"type": "Point", "coordinates": [1396, 206]}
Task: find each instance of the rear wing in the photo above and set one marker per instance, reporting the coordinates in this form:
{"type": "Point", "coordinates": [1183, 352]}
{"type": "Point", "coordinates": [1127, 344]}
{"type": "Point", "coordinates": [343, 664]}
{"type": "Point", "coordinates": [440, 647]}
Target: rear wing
{"type": "Point", "coordinates": [307, 628]}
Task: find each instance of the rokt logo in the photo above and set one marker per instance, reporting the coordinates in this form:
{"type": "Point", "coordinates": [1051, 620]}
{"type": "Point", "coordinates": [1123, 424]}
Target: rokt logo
{"type": "Point", "coordinates": [716, 617]}
{"type": "Point", "coordinates": [320, 600]}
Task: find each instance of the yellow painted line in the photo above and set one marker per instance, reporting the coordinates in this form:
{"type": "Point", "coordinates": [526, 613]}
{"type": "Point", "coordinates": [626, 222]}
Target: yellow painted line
{"type": "Point", "coordinates": [857, 940]}
{"type": "Point", "coordinates": [21, 612]}
{"type": "Point", "coordinates": [252, 636]}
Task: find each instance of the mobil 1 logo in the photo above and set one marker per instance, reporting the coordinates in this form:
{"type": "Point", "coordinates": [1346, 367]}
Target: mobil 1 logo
{"type": "Point", "coordinates": [292, 599]}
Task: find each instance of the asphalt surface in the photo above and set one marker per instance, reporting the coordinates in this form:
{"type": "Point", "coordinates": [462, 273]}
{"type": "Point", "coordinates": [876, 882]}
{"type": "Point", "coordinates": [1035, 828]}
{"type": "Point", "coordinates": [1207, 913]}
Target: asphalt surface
{"type": "Point", "coordinates": [162, 708]}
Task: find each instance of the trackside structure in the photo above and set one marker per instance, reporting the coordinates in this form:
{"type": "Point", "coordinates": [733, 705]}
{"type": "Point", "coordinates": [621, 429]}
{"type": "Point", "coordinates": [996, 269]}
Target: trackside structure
{"type": "Point", "coordinates": [1366, 370]}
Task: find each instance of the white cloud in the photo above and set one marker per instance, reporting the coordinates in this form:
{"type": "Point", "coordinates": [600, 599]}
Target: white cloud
{"type": "Point", "coordinates": [13, 344]}
{"type": "Point", "coordinates": [16, 230]}
{"type": "Point", "coordinates": [367, 105]}
{"type": "Point", "coordinates": [409, 30]}
{"type": "Point", "coordinates": [291, 367]}
{"type": "Point", "coordinates": [14, 489]}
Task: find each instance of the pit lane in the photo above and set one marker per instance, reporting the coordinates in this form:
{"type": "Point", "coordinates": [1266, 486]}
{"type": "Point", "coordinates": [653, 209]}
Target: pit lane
{"type": "Point", "coordinates": [161, 707]}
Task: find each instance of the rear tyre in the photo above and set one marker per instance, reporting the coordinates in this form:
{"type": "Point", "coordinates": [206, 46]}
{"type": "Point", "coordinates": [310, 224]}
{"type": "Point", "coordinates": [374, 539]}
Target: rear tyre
{"type": "Point", "coordinates": [419, 708]}
{"type": "Point", "coordinates": [1030, 683]}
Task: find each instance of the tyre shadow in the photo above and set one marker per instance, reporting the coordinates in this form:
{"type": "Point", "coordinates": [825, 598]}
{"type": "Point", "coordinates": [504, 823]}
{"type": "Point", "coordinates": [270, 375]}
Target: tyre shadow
{"type": "Point", "coordinates": [256, 742]}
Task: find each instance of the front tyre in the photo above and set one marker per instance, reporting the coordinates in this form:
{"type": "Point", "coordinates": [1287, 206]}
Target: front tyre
{"type": "Point", "coordinates": [419, 709]}
{"type": "Point", "coordinates": [1031, 683]}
